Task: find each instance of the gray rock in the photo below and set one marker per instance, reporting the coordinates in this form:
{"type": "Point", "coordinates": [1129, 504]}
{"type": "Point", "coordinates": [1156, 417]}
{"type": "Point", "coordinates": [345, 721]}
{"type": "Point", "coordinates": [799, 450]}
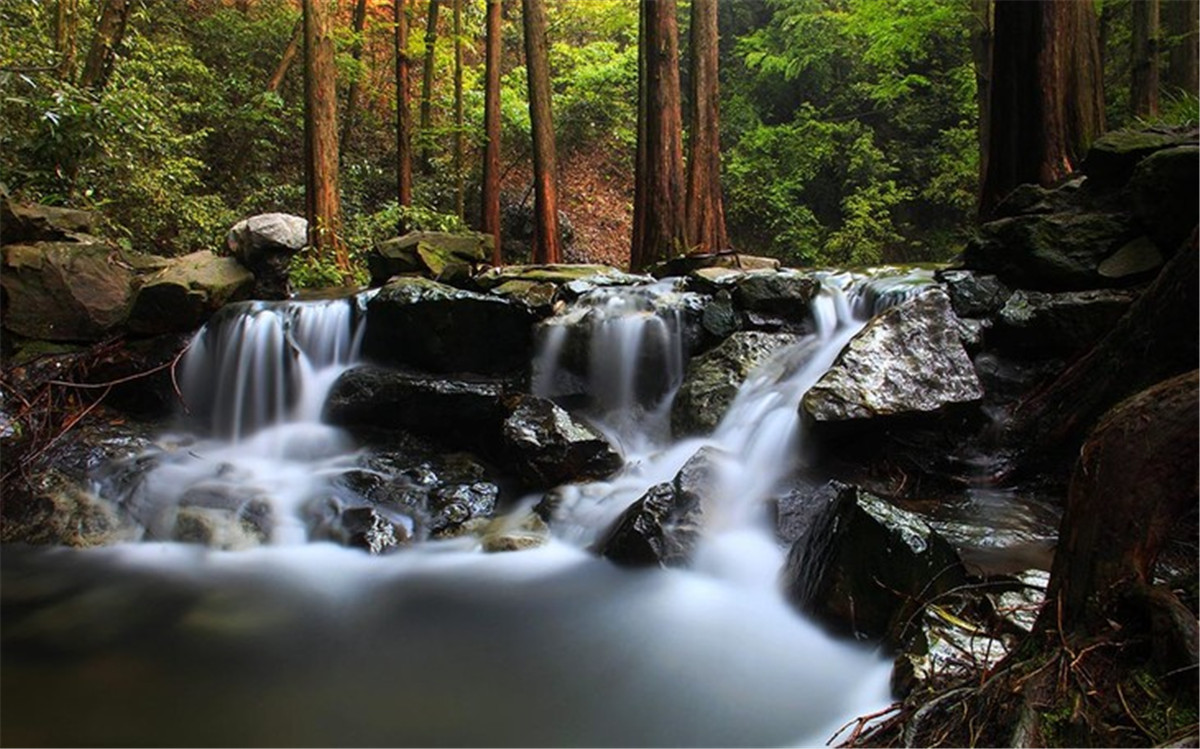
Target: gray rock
{"type": "Point", "coordinates": [440, 255]}
{"type": "Point", "coordinates": [265, 244]}
{"type": "Point", "coordinates": [908, 359]}
{"type": "Point", "coordinates": [1135, 260]}
{"type": "Point", "coordinates": [720, 319]}
{"type": "Point", "coordinates": [190, 289]}
{"type": "Point", "coordinates": [33, 222]}
{"type": "Point", "coordinates": [548, 446]}
{"type": "Point", "coordinates": [1166, 190]}
{"type": "Point", "coordinates": [437, 328]}
{"type": "Point", "coordinates": [1061, 325]}
{"type": "Point", "coordinates": [453, 506]}
{"type": "Point", "coordinates": [227, 530]}
{"type": "Point", "coordinates": [65, 291]}
{"type": "Point", "coordinates": [783, 293]}
{"type": "Point", "coordinates": [713, 379]}
{"type": "Point", "coordinates": [864, 567]}
{"type": "Point", "coordinates": [974, 294]}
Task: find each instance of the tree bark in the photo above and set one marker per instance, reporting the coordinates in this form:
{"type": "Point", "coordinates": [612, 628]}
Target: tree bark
{"type": "Point", "coordinates": [546, 247]}
{"type": "Point", "coordinates": [459, 181]}
{"type": "Point", "coordinates": [981, 55]}
{"type": "Point", "coordinates": [427, 87]}
{"type": "Point", "coordinates": [323, 203]}
{"type": "Point", "coordinates": [705, 211]}
{"type": "Point", "coordinates": [1143, 78]}
{"type": "Point", "coordinates": [491, 117]}
{"type": "Point", "coordinates": [1047, 97]}
{"type": "Point", "coordinates": [352, 94]}
{"type": "Point", "coordinates": [659, 215]}
{"type": "Point", "coordinates": [1182, 21]}
{"type": "Point", "coordinates": [289, 54]}
{"type": "Point", "coordinates": [110, 29]}
{"type": "Point", "coordinates": [403, 111]}
{"type": "Point", "coordinates": [65, 28]}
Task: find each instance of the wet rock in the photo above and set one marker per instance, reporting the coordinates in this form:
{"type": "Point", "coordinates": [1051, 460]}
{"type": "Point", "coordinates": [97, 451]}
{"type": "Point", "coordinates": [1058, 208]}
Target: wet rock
{"type": "Point", "coordinates": [57, 510]}
{"type": "Point", "coordinates": [1052, 252]}
{"type": "Point", "coordinates": [452, 507]}
{"type": "Point", "coordinates": [1113, 157]}
{"type": "Point", "coordinates": [1062, 325]}
{"type": "Point", "coordinates": [682, 266]}
{"type": "Point", "coordinates": [538, 296]}
{"type": "Point", "coordinates": [514, 534]}
{"type": "Point", "coordinates": [464, 412]}
{"type": "Point", "coordinates": [1166, 189]}
{"type": "Point", "coordinates": [422, 323]}
{"type": "Point", "coordinates": [265, 244]}
{"type": "Point", "coordinates": [974, 294]}
{"type": "Point", "coordinates": [65, 291]}
{"type": "Point", "coordinates": [33, 222]}
{"type": "Point", "coordinates": [364, 527]}
{"type": "Point", "coordinates": [713, 379]}
{"type": "Point", "coordinates": [720, 319]}
{"type": "Point", "coordinates": [663, 526]}
{"type": "Point", "coordinates": [909, 359]}
{"type": "Point", "coordinates": [548, 446]}
{"type": "Point", "coordinates": [227, 530]}
{"type": "Point", "coordinates": [864, 567]}
{"type": "Point", "coordinates": [184, 294]}
{"type": "Point", "coordinates": [783, 293]}
{"type": "Point", "coordinates": [439, 255]}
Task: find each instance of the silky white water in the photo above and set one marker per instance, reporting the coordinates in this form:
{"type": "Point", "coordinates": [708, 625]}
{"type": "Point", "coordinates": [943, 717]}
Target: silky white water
{"type": "Point", "coordinates": [304, 643]}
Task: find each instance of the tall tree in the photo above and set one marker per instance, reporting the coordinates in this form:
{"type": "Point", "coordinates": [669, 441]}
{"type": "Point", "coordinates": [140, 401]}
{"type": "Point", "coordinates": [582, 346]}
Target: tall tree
{"type": "Point", "coordinates": [110, 30]}
{"type": "Point", "coordinates": [403, 108]}
{"type": "Point", "coordinates": [981, 57]}
{"type": "Point", "coordinates": [705, 211]}
{"type": "Point", "coordinates": [427, 85]}
{"type": "Point", "coordinates": [1182, 22]}
{"type": "Point", "coordinates": [545, 167]}
{"type": "Point", "coordinates": [352, 94]}
{"type": "Point", "coordinates": [323, 204]}
{"type": "Point", "coordinates": [1047, 98]}
{"type": "Point", "coordinates": [289, 54]}
{"type": "Point", "coordinates": [459, 180]}
{"type": "Point", "coordinates": [1143, 79]}
{"type": "Point", "coordinates": [65, 27]}
{"type": "Point", "coordinates": [491, 117]}
{"type": "Point", "coordinates": [659, 230]}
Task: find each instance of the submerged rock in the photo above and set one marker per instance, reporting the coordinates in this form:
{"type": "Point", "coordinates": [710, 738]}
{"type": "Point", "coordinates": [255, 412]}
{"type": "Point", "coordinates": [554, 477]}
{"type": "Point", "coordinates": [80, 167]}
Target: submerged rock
{"type": "Point", "coordinates": [909, 359]}
{"type": "Point", "coordinates": [438, 328]}
{"type": "Point", "coordinates": [265, 244]}
{"type": "Point", "coordinates": [713, 379]}
{"type": "Point", "coordinates": [548, 446]}
{"type": "Point", "coordinates": [864, 567]}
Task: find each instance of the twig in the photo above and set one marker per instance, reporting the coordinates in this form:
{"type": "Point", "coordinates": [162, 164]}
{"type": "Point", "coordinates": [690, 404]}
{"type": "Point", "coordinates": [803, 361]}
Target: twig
{"type": "Point", "coordinates": [862, 720]}
{"type": "Point", "coordinates": [1133, 717]}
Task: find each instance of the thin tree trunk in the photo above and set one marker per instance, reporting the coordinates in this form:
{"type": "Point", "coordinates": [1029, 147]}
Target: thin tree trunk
{"type": "Point", "coordinates": [981, 55]}
{"type": "Point", "coordinates": [352, 94]}
{"type": "Point", "coordinates": [427, 86]}
{"type": "Point", "coordinates": [110, 29]}
{"type": "Point", "coordinates": [289, 54]}
{"type": "Point", "coordinates": [460, 185]}
{"type": "Point", "coordinates": [705, 210]}
{"type": "Point", "coordinates": [1143, 78]}
{"type": "Point", "coordinates": [491, 117]}
{"type": "Point", "coordinates": [1047, 97]}
{"type": "Point", "coordinates": [65, 28]}
{"type": "Point", "coordinates": [640, 159]}
{"type": "Point", "coordinates": [403, 111]}
{"type": "Point", "coordinates": [662, 217]}
{"type": "Point", "coordinates": [1182, 19]}
{"type": "Point", "coordinates": [321, 142]}
{"type": "Point", "coordinates": [545, 168]}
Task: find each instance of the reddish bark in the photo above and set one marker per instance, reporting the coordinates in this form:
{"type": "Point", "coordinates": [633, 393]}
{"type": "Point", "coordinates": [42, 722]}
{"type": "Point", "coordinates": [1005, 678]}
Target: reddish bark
{"type": "Point", "coordinates": [322, 200]}
{"type": "Point", "coordinates": [403, 113]}
{"type": "Point", "coordinates": [289, 54]}
{"type": "Point", "coordinates": [491, 118]}
{"type": "Point", "coordinates": [705, 211]}
{"type": "Point", "coordinates": [545, 167]}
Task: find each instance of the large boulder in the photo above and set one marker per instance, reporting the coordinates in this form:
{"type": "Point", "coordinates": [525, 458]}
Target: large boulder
{"type": "Point", "coordinates": [185, 293]}
{"type": "Point", "coordinates": [713, 379]}
{"type": "Point", "coordinates": [32, 222]}
{"type": "Point", "coordinates": [785, 294]}
{"type": "Point", "coordinates": [684, 265]}
{"type": "Point", "coordinates": [440, 255]}
{"type": "Point", "coordinates": [909, 359]}
{"type": "Point", "coordinates": [265, 244]}
{"type": "Point", "coordinates": [1166, 190]}
{"type": "Point", "coordinates": [438, 328]}
{"type": "Point", "coordinates": [547, 446]}
{"type": "Point", "coordinates": [65, 291]}
{"type": "Point", "coordinates": [974, 294]}
{"type": "Point", "coordinates": [1112, 158]}
{"type": "Point", "coordinates": [865, 567]}
{"type": "Point", "coordinates": [1059, 325]}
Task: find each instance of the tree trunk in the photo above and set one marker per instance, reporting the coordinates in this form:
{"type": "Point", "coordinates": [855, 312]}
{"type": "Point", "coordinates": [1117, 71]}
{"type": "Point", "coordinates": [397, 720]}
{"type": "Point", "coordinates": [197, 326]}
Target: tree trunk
{"type": "Point", "coordinates": [545, 168]}
{"type": "Point", "coordinates": [65, 28]}
{"type": "Point", "coordinates": [1047, 97]}
{"type": "Point", "coordinates": [659, 218]}
{"type": "Point", "coordinates": [1182, 19]}
{"type": "Point", "coordinates": [403, 111]}
{"type": "Point", "coordinates": [427, 87]}
{"type": "Point", "coordinates": [110, 29]}
{"type": "Point", "coordinates": [1143, 78]}
{"type": "Point", "coordinates": [704, 209]}
{"type": "Point", "coordinates": [460, 185]}
{"type": "Point", "coordinates": [289, 54]}
{"type": "Point", "coordinates": [352, 94]}
{"type": "Point", "coordinates": [491, 117]}
{"type": "Point", "coordinates": [321, 137]}
{"type": "Point", "coordinates": [981, 56]}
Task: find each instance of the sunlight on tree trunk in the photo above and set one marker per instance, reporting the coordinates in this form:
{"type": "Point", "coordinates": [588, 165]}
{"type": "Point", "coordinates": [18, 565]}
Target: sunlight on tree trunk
{"type": "Point", "coordinates": [545, 168]}
{"type": "Point", "coordinates": [65, 28]}
{"type": "Point", "coordinates": [321, 144]}
{"type": "Point", "coordinates": [110, 30]}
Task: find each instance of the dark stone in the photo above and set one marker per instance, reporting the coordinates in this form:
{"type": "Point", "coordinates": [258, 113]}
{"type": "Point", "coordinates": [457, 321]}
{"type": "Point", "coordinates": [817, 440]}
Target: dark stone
{"type": "Point", "coordinates": [32, 222]}
{"type": "Point", "coordinates": [686, 264]}
{"type": "Point", "coordinates": [784, 293]}
{"type": "Point", "coordinates": [440, 255]}
{"type": "Point", "coordinates": [184, 294]}
{"type": "Point", "coordinates": [719, 319]}
{"type": "Point", "coordinates": [1034, 323]}
{"type": "Point", "coordinates": [1166, 191]}
{"type": "Point", "coordinates": [548, 446]}
{"type": "Point", "coordinates": [974, 294]}
{"type": "Point", "coordinates": [1032, 198]}
{"type": "Point", "coordinates": [422, 323]}
{"type": "Point", "coordinates": [1113, 157]}
{"type": "Point", "coordinates": [452, 506]}
{"type": "Point", "coordinates": [864, 567]}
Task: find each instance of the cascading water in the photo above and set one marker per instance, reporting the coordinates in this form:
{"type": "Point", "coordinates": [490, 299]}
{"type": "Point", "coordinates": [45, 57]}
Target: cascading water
{"type": "Point", "coordinates": [440, 644]}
